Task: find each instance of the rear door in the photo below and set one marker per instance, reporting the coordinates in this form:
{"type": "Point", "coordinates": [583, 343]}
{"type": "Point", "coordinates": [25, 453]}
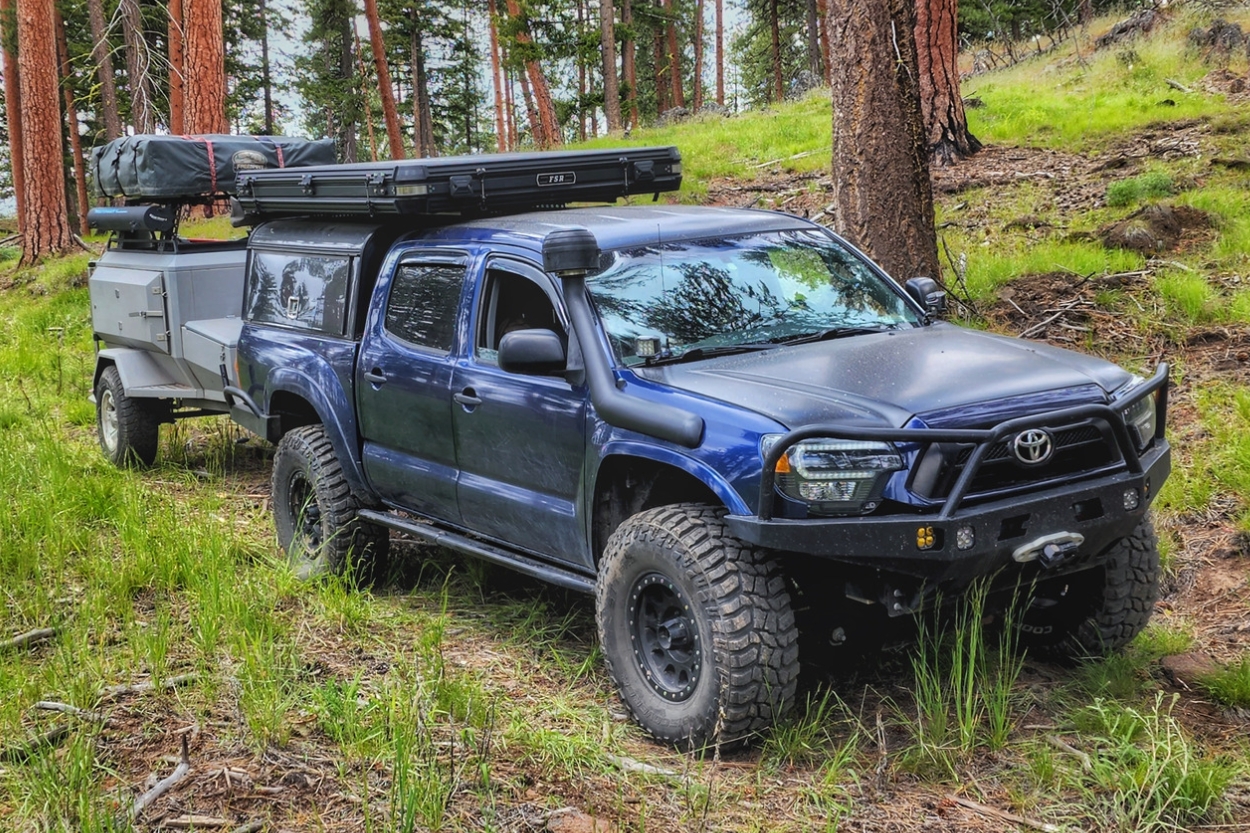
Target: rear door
{"type": "Point", "coordinates": [403, 384]}
{"type": "Point", "coordinates": [520, 440]}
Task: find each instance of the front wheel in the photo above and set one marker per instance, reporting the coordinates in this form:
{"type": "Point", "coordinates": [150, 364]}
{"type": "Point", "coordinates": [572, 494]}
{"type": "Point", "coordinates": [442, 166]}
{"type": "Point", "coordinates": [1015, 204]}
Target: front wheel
{"type": "Point", "coordinates": [314, 510]}
{"type": "Point", "coordinates": [129, 429]}
{"type": "Point", "coordinates": [696, 628]}
{"type": "Point", "coordinates": [1097, 611]}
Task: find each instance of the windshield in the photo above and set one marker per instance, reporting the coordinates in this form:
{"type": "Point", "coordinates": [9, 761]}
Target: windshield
{"type": "Point", "coordinates": [719, 295]}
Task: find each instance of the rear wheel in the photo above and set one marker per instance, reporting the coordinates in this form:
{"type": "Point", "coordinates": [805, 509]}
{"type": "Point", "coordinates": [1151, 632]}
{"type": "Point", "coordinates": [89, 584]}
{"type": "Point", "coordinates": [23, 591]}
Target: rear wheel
{"type": "Point", "coordinates": [128, 429]}
{"type": "Point", "coordinates": [1097, 611]}
{"type": "Point", "coordinates": [696, 628]}
{"type": "Point", "coordinates": [314, 511]}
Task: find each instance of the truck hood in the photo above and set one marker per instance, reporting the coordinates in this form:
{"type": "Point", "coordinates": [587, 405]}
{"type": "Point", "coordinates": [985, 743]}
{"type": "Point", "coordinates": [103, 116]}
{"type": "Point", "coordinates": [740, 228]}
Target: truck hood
{"type": "Point", "coordinates": [943, 374]}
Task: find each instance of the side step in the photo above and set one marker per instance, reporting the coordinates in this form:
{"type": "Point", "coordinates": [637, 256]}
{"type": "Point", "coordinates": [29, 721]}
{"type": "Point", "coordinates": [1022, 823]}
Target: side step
{"type": "Point", "coordinates": [530, 566]}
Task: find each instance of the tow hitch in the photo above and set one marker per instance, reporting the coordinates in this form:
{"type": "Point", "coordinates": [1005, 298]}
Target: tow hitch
{"type": "Point", "coordinates": [1050, 551]}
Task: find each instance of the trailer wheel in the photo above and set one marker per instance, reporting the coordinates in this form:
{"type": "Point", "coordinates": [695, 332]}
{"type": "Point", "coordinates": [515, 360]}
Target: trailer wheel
{"type": "Point", "coordinates": [696, 628]}
{"type": "Point", "coordinates": [1097, 611]}
{"type": "Point", "coordinates": [128, 429]}
{"type": "Point", "coordinates": [314, 511]}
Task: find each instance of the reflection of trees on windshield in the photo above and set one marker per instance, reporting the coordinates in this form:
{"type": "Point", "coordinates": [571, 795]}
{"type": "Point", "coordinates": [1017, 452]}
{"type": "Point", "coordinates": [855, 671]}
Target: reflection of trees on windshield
{"type": "Point", "coordinates": [707, 302]}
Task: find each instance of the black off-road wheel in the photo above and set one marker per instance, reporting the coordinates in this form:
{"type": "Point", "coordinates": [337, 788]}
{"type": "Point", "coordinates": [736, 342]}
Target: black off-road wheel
{"type": "Point", "coordinates": [314, 512]}
{"type": "Point", "coordinates": [696, 628]}
{"type": "Point", "coordinates": [1097, 611]}
{"type": "Point", "coordinates": [128, 429]}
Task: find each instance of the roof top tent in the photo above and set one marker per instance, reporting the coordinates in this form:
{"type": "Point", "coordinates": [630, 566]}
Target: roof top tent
{"type": "Point", "coordinates": [458, 186]}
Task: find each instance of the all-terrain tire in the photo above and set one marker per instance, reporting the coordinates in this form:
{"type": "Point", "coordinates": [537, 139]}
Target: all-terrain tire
{"type": "Point", "coordinates": [128, 429]}
{"type": "Point", "coordinates": [1102, 609]}
{"type": "Point", "coordinates": [696, 628]}
{"type": "Point", "coordinates": [314, 511]}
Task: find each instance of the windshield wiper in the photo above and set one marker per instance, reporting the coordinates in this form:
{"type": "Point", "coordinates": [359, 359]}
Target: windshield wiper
{"type": "Point", "coordinates": [832, 333]}
{"type": "Point", "coordinates": [696, 353]}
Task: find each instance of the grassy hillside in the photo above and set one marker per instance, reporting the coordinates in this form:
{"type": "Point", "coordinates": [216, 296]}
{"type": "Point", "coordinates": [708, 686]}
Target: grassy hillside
{"type": "Point", "coordinates": [459, 697]}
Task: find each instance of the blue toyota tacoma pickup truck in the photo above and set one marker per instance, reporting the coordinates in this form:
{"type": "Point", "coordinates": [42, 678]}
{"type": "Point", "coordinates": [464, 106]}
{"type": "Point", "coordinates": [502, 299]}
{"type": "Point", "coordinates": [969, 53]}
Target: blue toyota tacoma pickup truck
{"type": "Point", "coordinates": [728, 425]}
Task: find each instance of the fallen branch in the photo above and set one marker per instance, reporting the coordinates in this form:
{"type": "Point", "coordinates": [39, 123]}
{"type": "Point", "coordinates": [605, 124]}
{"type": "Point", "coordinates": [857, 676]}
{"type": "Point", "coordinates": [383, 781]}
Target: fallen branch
{"type": "Point", "coordinates": [66, 708]}
{"type": "Point", "coordinates": [12, 238]}
{"type": "Point", "coordinates": [631, 765]}
{"type": "Point", "coordinates": [84, 245]}
{"type": "Point", "coordinates": [164, 785]}
{"type": "Point", "coordinates": [1003, 815]}
{"type": "Point", "coordinates": [1177, 85]}
{"type": "Point", "coordinates": [192, 821]}
{"type": "Point", "coordinates": [1041, 326]}
{"type": "Point", "coordinates": [250, 827]}
{"type": "Point", "coordinates": [28, 639]}
{"type": "Point", "coordinates": [1086, 763]}
{"type": "Point", "coordinates": [785, 158]}
{"type": "Point", "coordinates": [25, 751]}
{"type": "Point", "coordinates": [139, 688]}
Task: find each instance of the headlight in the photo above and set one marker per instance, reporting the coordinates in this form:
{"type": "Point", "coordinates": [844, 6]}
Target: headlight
{"type": "Point", "coordinates": [1140, 418]}
{"type": "Point", "coordinates": [835, 477]}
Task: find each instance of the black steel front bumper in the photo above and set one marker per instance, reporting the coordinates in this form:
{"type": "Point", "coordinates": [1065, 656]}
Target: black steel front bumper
{"type": "Point", "coordinates": [1093, 508]}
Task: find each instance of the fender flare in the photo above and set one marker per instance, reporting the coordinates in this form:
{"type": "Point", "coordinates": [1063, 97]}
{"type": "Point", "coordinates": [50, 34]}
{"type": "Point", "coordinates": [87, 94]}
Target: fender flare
{"type": "Point", "coordinates": [139, 369]}
{"type": "Point", "coordinates": [701, 471]}
{"type": "Point", "coordinates": [341, 431]}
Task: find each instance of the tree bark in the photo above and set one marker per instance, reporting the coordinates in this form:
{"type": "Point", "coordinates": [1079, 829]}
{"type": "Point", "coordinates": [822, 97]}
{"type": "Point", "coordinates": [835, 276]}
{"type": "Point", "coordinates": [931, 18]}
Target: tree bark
{"type": "Point", "coordinates": [663, 69]}
{"type": "Point", "coordinates": [177, 69]}
{"type": "Point", "coordinates": [423, 117]}
{"type": "Point", "coordinates": [363, 92]}
{"type": "Point", "coordinates": [347, 71]}
{"type": "Point", "coordinates": [611, 83]}
{"type": "Point", "coordinates": [720, 52]}
{"type": "Point", "coordinates": [71, 121]}
{"type": "Point", "coordinates": [698, 56]}
{"type": "Point", "coordinates": [937, 50]}
{"type": "Point", "coordinates": [547, 131]}
{"type": "Point", "coordinates": [45, 227]}
{"type": "Point", "coordinates": [628, 48]}
{"type": "Point", "coordinates": [266, 71]}
{"type": "Point", "coordinates": [394, 135]}
{"type": "Point", "coordinates": [498, 80]}
{"type": "Point", "coordinates": [826, 48]}
{"type": "Point", "coordinates": [813, 39]}
{"type": "Point", "coordinates": [882, 197]}
{"type": "Point", "coordinates": [138, 67]}
{"type": "Point", "coordinates": [205, 61]}
{"type": "Point", "coordinates": [102, 56]}
{"type": "Point", "coordinates": [774, 28]}
{"type": "Point", "coordinates": [13, 108]}
{"type": "Point", "coordinates": [581, 75]}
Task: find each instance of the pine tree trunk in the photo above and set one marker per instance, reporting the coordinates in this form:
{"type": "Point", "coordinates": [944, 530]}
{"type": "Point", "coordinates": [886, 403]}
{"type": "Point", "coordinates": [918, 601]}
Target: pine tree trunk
{"type": "Point", "coordinates": [394, 135]}
{"type": "Point", "coordinates": [674, 55]}
{"type": "Point", "coordinates": [628, 49]}
{"type": "Point", "coordinates": [663, 70]}
{"type": "Point", "coordinates": [937, 50]}
{"type": "Point", "coordinates": [813, 39]}
{"type": "Point", "coordinates": [423, 117]}
{"type": "Point", "coordinates": [826, 48]}
{"type": "Point", "coordinates": [720, 52]}
{"type": "Point", "coordinates": [1085, 11]}
{"type": "Point", "coordinates": [102, 56]}
{"type": "Point", "coordinates": [363, 92]}
{"type": "Point", "coordinates": [698, 56]}
{"type": "Point", "coordinates": [71, 121]}
{"type": "Point", "coordinates": [530, 110]}
{"type": "Point", "coordinates": [177, 69]}
{"type": "Point", "coordinates": [204, 60]}
{"type": "Point", "coordinates": [581, 75]}
{"type": "Point", "coordinates": [547, 134]}
{"type": "Point", "coordinates": [138, 67]}
{"type": "Point", "coordinates": [266, 71]}
{"type": "Point", "coordinates": [13, 108]}
{"type": "Point", "coordinates": [347, 71]}
{"type": "Point", "coordinates": [45, 223]}
{"type": "Point", "coordinates": [882, 198]}
{"type": "Point", "coordinates": [774, 28]}
{"type": "Point", "coordinates": [611, 83]}
{"type": "Point", "coordinates": [497, 78]}
{"type": "Point", "coordinates": [509, 91]}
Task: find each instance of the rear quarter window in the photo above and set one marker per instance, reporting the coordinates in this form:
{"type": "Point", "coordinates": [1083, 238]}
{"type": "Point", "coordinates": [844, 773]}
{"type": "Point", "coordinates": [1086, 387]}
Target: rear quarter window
{"type": "Point", "coordinates": [305, 291]}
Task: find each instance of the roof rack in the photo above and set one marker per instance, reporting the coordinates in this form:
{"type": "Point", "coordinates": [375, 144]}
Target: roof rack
{"type": "Point", "coordinates": [465, 185]}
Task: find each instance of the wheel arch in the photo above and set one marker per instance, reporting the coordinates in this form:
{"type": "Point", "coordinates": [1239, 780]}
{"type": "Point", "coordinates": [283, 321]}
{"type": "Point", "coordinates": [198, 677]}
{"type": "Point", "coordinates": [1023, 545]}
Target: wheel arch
{"type": "Point", "coordinates": [633, 477]}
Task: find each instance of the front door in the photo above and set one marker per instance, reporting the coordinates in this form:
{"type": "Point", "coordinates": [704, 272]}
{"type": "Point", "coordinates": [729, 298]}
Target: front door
{"type": "Point", "coordinates": [520, 440]}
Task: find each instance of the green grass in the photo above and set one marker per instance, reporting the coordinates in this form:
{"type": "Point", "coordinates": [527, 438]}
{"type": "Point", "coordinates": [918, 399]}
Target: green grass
{"type": "Point", "coordinates": [1150, 185]}
{"type": "Point", "coordinates": [1231, 684]}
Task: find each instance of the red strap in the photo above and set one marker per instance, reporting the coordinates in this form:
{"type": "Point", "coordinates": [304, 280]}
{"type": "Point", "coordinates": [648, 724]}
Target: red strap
{"type": "Point", "coordinates": [276, 147]}
{"type": "Point", "coordinates": [212, 163]}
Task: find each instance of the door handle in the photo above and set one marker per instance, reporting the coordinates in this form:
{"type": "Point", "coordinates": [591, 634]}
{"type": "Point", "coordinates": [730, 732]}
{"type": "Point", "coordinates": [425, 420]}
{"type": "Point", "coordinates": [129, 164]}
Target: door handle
{"type": "Point", "coordinates": [468, 398]}
{"type": "Point", "coordinates": [376, 376]}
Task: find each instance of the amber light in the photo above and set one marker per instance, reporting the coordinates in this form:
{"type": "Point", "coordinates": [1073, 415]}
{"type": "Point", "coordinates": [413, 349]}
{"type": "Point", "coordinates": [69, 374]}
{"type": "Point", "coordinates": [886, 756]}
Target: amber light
{"type": "Point", "coordinates": [783, 464]}
{"type": "Point", "coordinates": [924, 538]}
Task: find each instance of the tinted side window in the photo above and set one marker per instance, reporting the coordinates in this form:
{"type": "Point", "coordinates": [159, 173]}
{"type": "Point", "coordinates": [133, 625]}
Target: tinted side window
{"type": "Point", "coordinates": [422, 305]}
{"type": "Point", "coordinates": [298, 290]}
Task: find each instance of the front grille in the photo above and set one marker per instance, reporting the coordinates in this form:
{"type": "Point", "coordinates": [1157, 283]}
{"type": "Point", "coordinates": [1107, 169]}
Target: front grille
{"type": "Point", "coordinates": [1078, 449]}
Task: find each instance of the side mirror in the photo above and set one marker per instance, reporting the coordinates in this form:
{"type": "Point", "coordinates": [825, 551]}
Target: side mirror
{"type": "Point", "coordinates": [532, 352]}
{"type": "Point", "coordinates": [927, 293]}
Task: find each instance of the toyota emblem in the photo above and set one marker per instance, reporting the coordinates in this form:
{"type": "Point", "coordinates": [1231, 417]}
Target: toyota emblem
{"type": "Point", "coordinates": [1032, 447]}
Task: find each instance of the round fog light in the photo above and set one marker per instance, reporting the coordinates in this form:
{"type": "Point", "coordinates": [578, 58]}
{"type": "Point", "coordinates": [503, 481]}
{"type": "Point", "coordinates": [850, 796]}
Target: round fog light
{"type": "Point", "coordinates": [965, 537]}
{"type": "Point", "coordinates": [1131, 500]}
